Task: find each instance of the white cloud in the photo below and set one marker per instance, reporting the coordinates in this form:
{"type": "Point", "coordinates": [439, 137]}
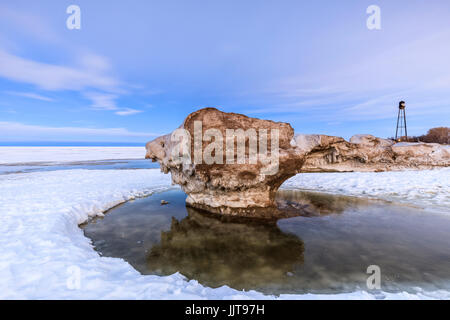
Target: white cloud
{"type": "Point", "coordinates": [102, 101]}
{"type": "Point", "coordinates": [53, 77]}
{"type": "Point", "coordinates": [127, 112]}
{"type": "Point", "coordinates": [89, 72]}
{"type": "Point", "coordinates": [15, 131]}
{"type": "Point", "coordinates": [30, 95]}
{"type": "Point", "coordinates": [90, 75]}
{"type": "Point", "coordinates": [95, 62]}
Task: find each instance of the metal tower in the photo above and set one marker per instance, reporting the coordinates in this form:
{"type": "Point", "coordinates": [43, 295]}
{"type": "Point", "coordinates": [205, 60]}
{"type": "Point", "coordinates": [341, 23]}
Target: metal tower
{"type": "Point", "coordinates": [401, 123]}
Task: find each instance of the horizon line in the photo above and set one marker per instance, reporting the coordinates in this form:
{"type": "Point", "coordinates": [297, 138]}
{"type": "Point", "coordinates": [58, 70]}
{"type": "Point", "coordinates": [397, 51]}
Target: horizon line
{"type": "Point", "coordinates": [70, 144]}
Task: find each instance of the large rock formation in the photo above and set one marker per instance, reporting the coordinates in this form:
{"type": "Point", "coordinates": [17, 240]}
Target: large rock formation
{"type": "Point", "coordinates": [229, 188]}
{"type": "Point", "coordinates": [240, 174]}
{"type": "Point", "coordinates": [368, 153]}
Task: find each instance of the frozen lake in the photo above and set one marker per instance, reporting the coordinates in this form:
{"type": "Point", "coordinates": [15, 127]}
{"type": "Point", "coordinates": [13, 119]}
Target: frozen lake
{"type": "Point", "coordinates": [90, 165]}
{"type": "Point", "coordinates": [47, 192]}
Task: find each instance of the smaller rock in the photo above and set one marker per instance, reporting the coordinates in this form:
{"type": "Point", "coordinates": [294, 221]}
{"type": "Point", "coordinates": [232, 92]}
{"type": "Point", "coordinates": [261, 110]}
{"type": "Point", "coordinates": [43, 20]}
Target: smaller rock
{"type": "Point", "coordinates": [163, 202]}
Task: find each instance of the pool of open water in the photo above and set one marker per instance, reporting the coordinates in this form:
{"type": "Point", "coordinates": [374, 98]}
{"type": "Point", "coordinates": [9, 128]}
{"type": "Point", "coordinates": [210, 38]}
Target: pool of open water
{"type": "Point", "coordinates": [327, 248]}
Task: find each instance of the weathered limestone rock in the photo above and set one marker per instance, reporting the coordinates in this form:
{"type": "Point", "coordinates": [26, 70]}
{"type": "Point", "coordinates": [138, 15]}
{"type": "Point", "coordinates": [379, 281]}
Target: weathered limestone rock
{"type": "Point", "coordinates": [246, 185]}
{"type": "Point", "coordinates": [229, 188]}
{"type": "Point", "coordinates": [368, 153]}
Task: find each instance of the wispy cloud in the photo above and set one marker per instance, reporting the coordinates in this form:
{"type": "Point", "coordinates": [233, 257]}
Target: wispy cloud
{"type": "Point", "coordinates": [89, 73]}
{"type": "Point", "coordinates": [15, 131]}
{"type": "Point", "coordinates": [53, 77]}
{"type": "Point", "coordinates": [91, 78]}
{"type": "Point", "coordinates": [30, 95]}
{"type": "Point", "coordinates": [369, 88]}
{"type": "Point", "coordinates": [417, 63]}
{"type": "Point", "coordinates": [102, 101]}
{"type": "Point", "coordinates": [127, 112]}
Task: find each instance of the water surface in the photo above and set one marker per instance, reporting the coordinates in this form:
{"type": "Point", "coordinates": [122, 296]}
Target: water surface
{"type": "Point", "coordinates": [326, 249]}
{"type": "Point", "coordinates": [90, 165]}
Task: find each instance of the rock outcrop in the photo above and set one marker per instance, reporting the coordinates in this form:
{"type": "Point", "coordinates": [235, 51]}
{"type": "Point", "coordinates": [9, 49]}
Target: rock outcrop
{"type": "Point", "coordinates": [234, 188]}
{"type": "Point", "coordinates": [368, 153]}
{"type": "Point", "coordinates": [229, 163]}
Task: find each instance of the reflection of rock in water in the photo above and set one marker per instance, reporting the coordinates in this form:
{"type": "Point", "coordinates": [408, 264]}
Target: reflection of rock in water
{"type": "Point", "coordinates": [313, 203]}
{"type": "Point", "coordinates": [216, 253]}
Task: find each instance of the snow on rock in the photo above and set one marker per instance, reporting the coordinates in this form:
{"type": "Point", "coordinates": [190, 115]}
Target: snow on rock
{"type": "Point", "coordinates": [370, 140]}
{"type": "Point", "coordinates": [10, 155]}
{"type": "Point", "coordinates": [45, 255]}
{"type": "Point", "coordinates": [426, 188]}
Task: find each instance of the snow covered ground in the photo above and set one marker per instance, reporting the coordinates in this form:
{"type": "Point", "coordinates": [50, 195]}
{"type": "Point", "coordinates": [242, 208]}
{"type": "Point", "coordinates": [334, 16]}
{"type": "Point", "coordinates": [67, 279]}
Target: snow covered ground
{"type": "Point", "coordinates": [43, 251]}
{"type": "Point", "coordinates": [426, 189]}
{"type": "Point", "coordinates": [16, 155]}
{"type": "Point", "coordinates": [45, 255]}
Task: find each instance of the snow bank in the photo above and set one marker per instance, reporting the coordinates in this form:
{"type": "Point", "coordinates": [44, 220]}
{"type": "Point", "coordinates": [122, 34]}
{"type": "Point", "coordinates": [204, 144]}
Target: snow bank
{"type": "Point", "coordinates": [426, 188]}
{"type": "Point", "coordinates": [45, 255]}
{"type": "Point", "coordinates": [10, 155]}
{"type": "Point", "coordinates": [42, 249]}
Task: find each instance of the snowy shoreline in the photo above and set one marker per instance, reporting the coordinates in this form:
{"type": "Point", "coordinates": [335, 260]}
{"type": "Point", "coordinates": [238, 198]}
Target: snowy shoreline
{"type": "Point", "coordinates": [41, 244]}
{"type": "Point", "coordinates": [21, 155]}
{"type": "Point", "coordinates": [428, 189]}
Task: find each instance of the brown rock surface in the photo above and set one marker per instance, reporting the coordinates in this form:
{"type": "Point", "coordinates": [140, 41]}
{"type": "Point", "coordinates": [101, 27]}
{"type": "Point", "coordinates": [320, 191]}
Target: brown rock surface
{"type": "Point", "coordinates": [237, 189]}
{"type": "Point", "coordinates": [249, 188]}
{"type": "Point", "coordinates": [368, 153]}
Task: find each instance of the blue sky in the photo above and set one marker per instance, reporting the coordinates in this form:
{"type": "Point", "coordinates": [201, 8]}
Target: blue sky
{"type": "Point", "coordinates": [136, 69]}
